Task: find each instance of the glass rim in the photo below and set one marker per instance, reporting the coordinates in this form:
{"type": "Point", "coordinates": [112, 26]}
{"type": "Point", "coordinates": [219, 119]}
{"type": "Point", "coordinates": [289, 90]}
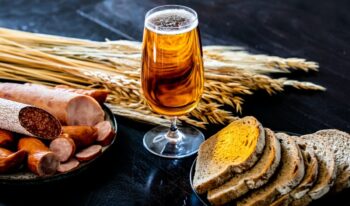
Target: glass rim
{"type": "Point", "coordinates": [171, 6]}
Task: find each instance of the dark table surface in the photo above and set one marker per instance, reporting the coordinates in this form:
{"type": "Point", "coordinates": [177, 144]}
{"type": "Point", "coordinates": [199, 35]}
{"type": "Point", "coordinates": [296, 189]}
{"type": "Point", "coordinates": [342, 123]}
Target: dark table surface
{"type": "Point", "coordinates": [128, 174]}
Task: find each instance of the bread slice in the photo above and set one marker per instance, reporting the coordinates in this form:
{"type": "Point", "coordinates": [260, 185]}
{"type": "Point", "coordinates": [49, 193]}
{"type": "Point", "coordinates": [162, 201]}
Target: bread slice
{"type": "Point", "coordinates": [311, 169]}
{"type": "Point", "coordinates": [284, 200]}
{"type": "Point", "coordinates": [288, 177]}
{"type": "Point", "coordinates": [233, 149]}
{"type": "Point", "coordinates": [326, 167]}
{"type": "Point", "coordinates": [304, 201]}
{"type": "Point", "coordinates": [340, 145]}
{"type": "Point", "coordinates": [310, 177]}
{"type": "Point", "coordinates": [287, 201]}
{"type": "Point", "coordinates": [257, 176]}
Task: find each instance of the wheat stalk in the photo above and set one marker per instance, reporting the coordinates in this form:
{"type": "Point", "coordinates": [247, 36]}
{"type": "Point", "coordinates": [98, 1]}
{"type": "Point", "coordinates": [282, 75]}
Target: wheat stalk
{"type": "Point", "coordinates": [230, 73]}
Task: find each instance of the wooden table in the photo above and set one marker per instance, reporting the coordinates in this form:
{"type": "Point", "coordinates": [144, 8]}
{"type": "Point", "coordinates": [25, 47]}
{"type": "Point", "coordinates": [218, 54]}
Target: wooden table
{"type": "Point", "coordinates": [128, 174]}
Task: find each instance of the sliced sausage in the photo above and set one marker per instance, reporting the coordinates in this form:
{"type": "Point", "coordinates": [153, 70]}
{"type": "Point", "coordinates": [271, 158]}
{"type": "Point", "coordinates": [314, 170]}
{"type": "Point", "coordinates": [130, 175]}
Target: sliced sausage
{"type": "Point", "coordinates": [105, 133]}
{"type": "Point", "coordinates": [69, 107]}
{"type": "Point", "coordinates": [10, 161]}
{"type": "Point", "coordinates": [41, 160]}
{"type": "Point", "coordinates": [100, 95]}
{"type": "Point", "coordinates": [63, 147]}
{"type": "Point", "coordinates": [68, 166]}
{"type": "Point", "coordinates": [6, 138]}
{"type": "Point", "coordinates": [28, 120]}
{"type": "Point", "coordinates": [89, 153]}
{"type": "Point", "coordinates": [82, 136]}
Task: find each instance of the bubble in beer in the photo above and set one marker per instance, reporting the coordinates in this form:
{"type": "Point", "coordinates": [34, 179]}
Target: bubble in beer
{"type": "Point", "coordinates": [171, 20]}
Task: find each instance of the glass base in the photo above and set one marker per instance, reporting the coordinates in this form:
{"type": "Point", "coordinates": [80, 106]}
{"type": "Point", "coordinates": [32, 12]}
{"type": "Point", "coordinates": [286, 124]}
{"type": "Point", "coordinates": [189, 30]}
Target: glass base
{"type": "Point", "coordinates": [179, 143]}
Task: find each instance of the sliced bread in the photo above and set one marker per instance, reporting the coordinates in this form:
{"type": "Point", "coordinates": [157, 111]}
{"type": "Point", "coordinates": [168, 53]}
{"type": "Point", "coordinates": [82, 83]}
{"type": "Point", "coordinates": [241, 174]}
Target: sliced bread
{"type": "Point", "coordinates": [288, 177]}
{"type": "Point", "coordinates": [340, 145]}
{"type": "Point", "coordinates": [287, 201]}
{"type": "Point", "coordinates": [310, 177]}
{"type": "Point", "coordinates": [311, 170]}
{"type": "Point", "coordinates": [326, 167]}
{"type": "Point", "coordinates": [233, 149]}
{"type": "Point", "coordinates": [257, 176]}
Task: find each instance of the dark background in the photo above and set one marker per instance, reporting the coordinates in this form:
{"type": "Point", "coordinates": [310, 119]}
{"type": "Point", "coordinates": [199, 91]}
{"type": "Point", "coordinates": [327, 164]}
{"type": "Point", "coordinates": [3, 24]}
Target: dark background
{"type": "Point", "coordinates": [128, 174]}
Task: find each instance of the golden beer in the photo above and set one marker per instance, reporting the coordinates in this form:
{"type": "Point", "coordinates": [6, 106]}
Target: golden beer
{"type": "Point", "coordinates": [172, 66]}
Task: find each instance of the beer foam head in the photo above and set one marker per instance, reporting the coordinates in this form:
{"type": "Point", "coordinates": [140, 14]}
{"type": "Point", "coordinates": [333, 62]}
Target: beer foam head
{"type": "Point", "coordinates": [171, 21]}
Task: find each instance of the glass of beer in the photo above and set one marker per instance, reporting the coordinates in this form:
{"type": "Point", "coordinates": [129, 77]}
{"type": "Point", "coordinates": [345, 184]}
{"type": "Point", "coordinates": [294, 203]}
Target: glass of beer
{"type": "Point", "coordinates": [172, 77]}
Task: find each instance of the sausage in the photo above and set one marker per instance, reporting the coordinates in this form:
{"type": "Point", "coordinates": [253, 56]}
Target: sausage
{"type": "Point", "coordinates": [105, 133]}
{"type": "Point", "coordinates": [9, 160]}
{"type": "Point", "coordinates": [89, 153]}
{"type": "Point", "coordinates": [82, 136]}
{"type": "Point", "coordinates": [63, 147]}
{"type": "Point", "coordinates": [68, 166]}
{"type": "Point", "coordinates": [4, 152]}
{"type": "Point", "coordinates": [6, 138]}
{"type": "Point", "coordinates": [100, 95]}
{"type": "Point", "coordinates": [41, 160]}
{"type": "Point", "coordinates": [28, 120]}
{"type": "Point", "coordinates": [68, 107]}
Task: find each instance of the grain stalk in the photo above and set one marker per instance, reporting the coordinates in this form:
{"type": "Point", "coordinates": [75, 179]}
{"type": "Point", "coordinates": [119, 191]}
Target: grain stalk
{"type": "Point", "coordinates": [230, 73]}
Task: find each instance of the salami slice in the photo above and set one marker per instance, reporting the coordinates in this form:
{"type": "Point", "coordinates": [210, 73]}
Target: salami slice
{"type": "Point", "coordinates": [63, 147]}
{"type": "Point", "coordinates": [68, 166]}
{"type": "Point", "coordinates": [89, 153]}
{"type": "Point", "coordinates": [105, 133]}
{"type": "Point", "coordinates": [68, 107]}
{"type": "Point", "coordinates": [28, 120]}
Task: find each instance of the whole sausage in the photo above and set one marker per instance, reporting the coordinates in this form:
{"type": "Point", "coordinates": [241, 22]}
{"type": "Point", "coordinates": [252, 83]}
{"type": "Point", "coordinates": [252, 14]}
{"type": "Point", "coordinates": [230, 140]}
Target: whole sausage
{"type": "Point", "coordinates": [100, 95]}
{"type": "Point", "coordinates": [63, 147]}
{"type": "Point", "coordinates": [9, 160]}
{"type": "Point", "coordinates": [41, 160]}
{"type": "Point", "coordinates": [27, 120]}
{"type": "Point", "coordinates": [4, 152]}
{"type": "Point", "coordinates": [82, 136]}
{"type": "Point", "coordinates": [69, 107]}
{"type": "Point", "coordinates": [6, 138]}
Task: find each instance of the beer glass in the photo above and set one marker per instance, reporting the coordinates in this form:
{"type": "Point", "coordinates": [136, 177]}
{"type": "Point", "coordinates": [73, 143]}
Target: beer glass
{"type": "Point", "coordinates": [172, 77]}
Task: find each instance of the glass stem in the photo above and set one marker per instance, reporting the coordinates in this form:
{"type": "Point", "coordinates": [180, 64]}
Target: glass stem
{"type": "Point", "coordinates": [173, 126]}
{"type": "Point", "coordinates": [173, 135]}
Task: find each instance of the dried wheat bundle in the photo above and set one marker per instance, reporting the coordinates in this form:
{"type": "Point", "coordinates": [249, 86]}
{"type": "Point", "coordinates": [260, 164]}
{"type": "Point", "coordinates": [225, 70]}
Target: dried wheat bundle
{"type": "Point", "coordinates": [230, 73]}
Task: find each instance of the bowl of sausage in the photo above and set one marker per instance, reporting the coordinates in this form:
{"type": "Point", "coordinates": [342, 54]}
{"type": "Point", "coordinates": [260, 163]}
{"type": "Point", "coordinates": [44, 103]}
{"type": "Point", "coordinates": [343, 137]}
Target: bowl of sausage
{"type": "Point", "coordinates": [47, 133]}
